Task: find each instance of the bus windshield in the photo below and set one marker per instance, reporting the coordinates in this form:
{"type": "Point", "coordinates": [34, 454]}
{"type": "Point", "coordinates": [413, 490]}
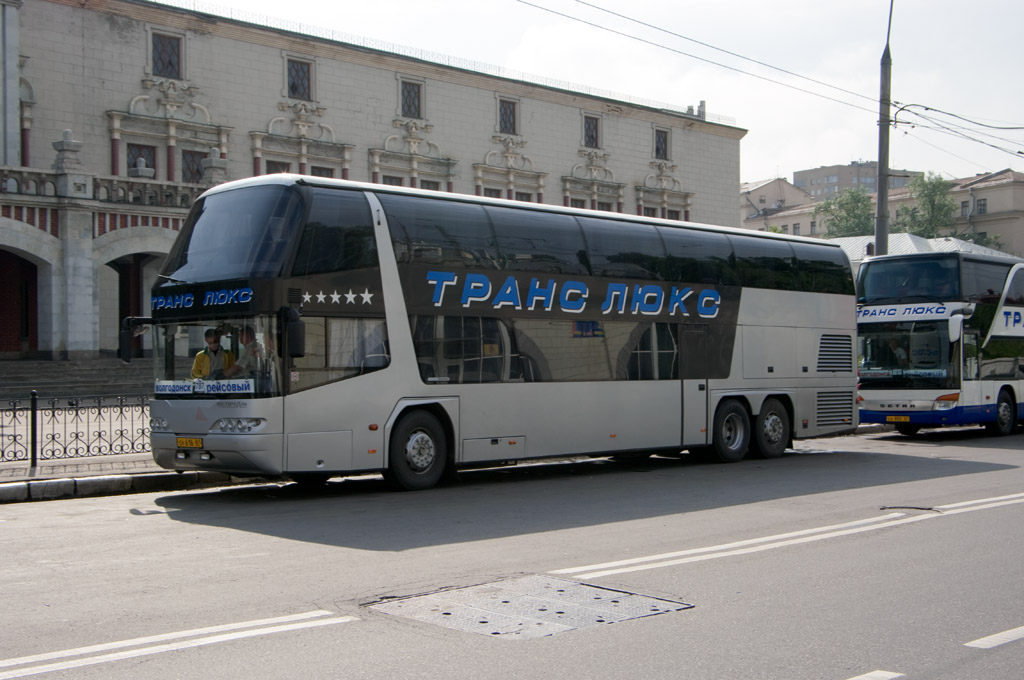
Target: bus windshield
{"type": "Point", "coordinates": [913, 354]}
{"type": "Point", "coordinates": [242, 233]}
{"type": "Point", "coordinates": [918, 279]}
{"type": "Point", "coordinates": [214, 358]}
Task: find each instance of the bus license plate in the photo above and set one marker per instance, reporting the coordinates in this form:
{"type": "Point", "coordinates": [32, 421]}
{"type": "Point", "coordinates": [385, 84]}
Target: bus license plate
{"type": "Point", "coordinates": [893, 419]}
{"type": "Point", "coordinates": [190, 442]}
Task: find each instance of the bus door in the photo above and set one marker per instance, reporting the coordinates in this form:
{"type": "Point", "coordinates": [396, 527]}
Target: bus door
{"type": "Point", "coordinates": [693, 369]}
{"type": "Point", "coordinates": [970, 356]}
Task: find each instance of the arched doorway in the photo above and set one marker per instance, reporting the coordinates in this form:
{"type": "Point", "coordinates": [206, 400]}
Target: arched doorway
{"type": "Point", "coordinates": [19, 309]}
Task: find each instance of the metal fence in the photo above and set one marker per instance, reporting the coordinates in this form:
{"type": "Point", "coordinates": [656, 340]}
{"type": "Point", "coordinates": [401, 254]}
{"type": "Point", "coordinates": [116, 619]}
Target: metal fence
{"type": "Point", "coordinates": [78, 427]}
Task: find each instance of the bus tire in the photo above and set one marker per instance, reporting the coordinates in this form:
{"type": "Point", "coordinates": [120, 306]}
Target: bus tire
{"type": "Point", "coordinates": [419, 452]}
{"type": "Point", "coordinates": [907, 430]}
{"type": "Point", "coordinates": [1006, 416]}
{"type": "Point", "coordinates": [731, 436]}
{"type": "Point", "coordinates": [772, 429]}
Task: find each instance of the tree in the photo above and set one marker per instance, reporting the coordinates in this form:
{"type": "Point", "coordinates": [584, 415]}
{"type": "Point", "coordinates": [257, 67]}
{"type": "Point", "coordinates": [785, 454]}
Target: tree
{"type": "Point", "coordinates": [848, 213]}
{"type": "Point", "coordinates": [931, 215]}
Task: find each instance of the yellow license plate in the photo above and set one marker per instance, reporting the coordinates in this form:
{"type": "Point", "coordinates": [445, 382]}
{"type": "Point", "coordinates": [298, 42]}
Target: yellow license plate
{"type": "Point", "coordinates": [897, 419]}
{"type": "Point", "coordinates": [190, 442]}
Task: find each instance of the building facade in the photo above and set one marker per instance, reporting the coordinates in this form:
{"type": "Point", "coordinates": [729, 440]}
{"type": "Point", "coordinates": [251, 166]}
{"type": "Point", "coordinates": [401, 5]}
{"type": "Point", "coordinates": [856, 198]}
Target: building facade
{"type": "Point", "coordinates": [825, 182]}
{"type": "Point", "coordinates": [117, 114]}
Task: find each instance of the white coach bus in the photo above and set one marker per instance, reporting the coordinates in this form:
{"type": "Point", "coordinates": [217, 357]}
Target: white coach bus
{"type": "Point", "coordinates": [415, 332]}
{"type": "Point", "coordinates": [941, 341]}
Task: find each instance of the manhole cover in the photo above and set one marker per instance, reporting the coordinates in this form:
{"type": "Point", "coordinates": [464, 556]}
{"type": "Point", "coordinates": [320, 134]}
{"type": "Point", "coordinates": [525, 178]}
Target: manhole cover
{"type": "Point", "coordinates": [528, 607]}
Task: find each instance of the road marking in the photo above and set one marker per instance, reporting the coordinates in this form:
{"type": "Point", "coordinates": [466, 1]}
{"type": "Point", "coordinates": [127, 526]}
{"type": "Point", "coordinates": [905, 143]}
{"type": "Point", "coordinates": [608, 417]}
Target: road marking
{"type": "Point", "coordinates": [997, 639]}
{"type": "Point", "coordinates": [878, 675]}
{"type": "Point", "coordinates": [257, 627]}
{"type": "Point", "coordinates": [781, 540]}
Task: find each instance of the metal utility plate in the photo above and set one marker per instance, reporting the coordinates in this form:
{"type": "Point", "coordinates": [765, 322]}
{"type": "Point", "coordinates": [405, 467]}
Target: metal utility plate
{"type": "Point", "coordinates": [528, 607]}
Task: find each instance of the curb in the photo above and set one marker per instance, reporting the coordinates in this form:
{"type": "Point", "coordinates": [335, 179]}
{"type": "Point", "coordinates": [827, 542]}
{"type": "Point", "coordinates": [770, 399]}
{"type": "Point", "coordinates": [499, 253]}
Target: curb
{"type": "Point", "coordinates": [114, 485]}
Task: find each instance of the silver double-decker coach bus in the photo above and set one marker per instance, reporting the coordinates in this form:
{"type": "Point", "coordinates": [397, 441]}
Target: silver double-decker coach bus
{"type": "Point", "coordinates": [410, 332]}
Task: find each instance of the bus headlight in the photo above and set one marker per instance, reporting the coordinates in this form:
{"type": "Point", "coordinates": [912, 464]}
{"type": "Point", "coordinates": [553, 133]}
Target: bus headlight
{"type": "Point", "coordinates": [157, 424]}
{"type": "Point", "coordinates": [236, 424]}
{"type": "Point", "coordinates": [946, 402]}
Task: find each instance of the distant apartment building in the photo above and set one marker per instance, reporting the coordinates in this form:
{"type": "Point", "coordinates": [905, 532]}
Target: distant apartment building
{"type": "Point", "coordinates": [987, 205]}
{"type": "Point", "coordinates": [824, 182]}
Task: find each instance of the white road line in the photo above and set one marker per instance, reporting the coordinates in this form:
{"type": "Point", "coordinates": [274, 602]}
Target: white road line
{"type": "Point", "coordinates": [726, 546]}
{"type": "Point", "coordinates": [121, 644]}
{"type": "Point", "coordinates": [878, 675]}
{"type": "Point", "coordinates": [997, 639]}
{"type": "Point", "coordinates": [780, 540]}
{"type": "Point", "coordinates": [175, 646]}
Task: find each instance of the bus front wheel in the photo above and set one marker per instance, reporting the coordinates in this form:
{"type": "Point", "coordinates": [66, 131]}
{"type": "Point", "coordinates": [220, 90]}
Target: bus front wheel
{"type": "Point", "coordinates": [731, 435]}
{"type": "Point", "coordinates": [419, 452]}
{"type": "Point", "coordinates": [1006, 415]}
{"type": "Point", "coordinates": [771, 429]}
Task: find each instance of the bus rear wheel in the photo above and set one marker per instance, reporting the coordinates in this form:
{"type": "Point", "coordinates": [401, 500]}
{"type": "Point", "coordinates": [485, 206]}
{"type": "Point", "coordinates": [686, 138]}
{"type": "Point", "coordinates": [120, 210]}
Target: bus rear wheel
{"type": "Point", "coordinates": [731, 434]}
{"type": "Point", "coordinates": [1006, 416]}
{"type": "Point", "coordinates": [419, 452]}
{"type": "Point", "coordinates": [771, 429]}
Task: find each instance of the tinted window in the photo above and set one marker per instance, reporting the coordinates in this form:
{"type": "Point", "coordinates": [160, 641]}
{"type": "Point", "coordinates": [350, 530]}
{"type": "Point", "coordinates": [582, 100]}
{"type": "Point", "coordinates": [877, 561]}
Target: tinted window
{"type": "Point", "coordinates": [239, 233]}
{"type": "Point", "coordinates": [538, 241]}
{"type": "Point", "coordinates": [338, 235]}
{"type": "Point", "coordinates": [1016, 294]}
{"type": "Point", "coordinates": [698, 257]}
{"type": "Point", "coordinates": [823, 270]}
{"type": "Point", "coordinates": [429, 231]}
{"type": "Point", "coordinates": [982, 280]}
{"type": "Point", "coordinates": [765, 263]}
{"type": "Point", "coordinates": [909, 279]}
{"type": "Point", "coordinates": [623, 249]}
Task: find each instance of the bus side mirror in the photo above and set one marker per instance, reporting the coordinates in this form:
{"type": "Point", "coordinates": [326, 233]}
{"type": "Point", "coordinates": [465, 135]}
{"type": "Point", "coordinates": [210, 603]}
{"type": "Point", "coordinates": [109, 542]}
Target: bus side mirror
{"type": "Point", "coordinates": [295, 330]}
{"type": "Point", "coordinates": [130, 327]}
{"type": "Point", "coordinates": [297, 339]}
{"type": "Point", "coordinates": [955, 326]}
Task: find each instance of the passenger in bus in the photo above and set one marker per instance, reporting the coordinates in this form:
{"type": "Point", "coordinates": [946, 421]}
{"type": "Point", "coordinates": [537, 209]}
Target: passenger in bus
{"type": "Point", "coordinates": [899, 354]}
{"type": "Point", "coordinates": [249, 356]}
{"type": "Point", "coordinates": [212, 360]}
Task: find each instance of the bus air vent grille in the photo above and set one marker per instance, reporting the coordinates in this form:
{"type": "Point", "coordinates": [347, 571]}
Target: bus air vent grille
{"type": "Point", "coordinates": [834, 408]}
{"type": "Point", "coordinates": [835, 353]}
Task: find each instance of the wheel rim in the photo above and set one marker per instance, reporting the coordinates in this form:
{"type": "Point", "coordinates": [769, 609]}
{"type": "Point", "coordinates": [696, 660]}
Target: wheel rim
{"type": "Point", "coordinates": [732, 432]}
{"type": "Point", "coordinates": [1005, 414]}
{"type": "Point", "coordinates": [773, 428]}
{"type": "Point", "coordinates": [420, 451]}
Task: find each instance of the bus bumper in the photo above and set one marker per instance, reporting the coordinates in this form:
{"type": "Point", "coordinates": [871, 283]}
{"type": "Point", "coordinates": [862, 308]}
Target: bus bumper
{"type": "Point", "coordinates": [959, 415]}
{"type": "Point", "coordinates": [259, 455]}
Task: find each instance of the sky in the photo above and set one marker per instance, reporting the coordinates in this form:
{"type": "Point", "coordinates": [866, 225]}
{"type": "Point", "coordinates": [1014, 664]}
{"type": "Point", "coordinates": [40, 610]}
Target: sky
{"type": "Point", "coordinates": [803, 78]}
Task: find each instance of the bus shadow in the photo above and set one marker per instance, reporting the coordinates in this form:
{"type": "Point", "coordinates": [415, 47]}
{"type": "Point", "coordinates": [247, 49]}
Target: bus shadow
{"type": "Point", "coordinates": [364, 513]}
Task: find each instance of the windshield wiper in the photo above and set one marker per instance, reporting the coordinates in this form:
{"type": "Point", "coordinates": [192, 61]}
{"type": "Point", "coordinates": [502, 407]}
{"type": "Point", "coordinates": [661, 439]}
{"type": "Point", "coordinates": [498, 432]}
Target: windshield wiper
{"type": "Point", "coordinates": [172, 279]}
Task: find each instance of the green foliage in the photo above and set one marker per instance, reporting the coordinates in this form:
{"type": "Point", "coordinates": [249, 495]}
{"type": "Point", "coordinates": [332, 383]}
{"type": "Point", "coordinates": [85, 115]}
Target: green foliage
{"type": "Point", "coordinates": [932, 214]}
{"type": "Point", "coordinates": [848, 213]}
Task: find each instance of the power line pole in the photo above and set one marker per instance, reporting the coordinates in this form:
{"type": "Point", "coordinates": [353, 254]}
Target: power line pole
{"type": "Point", "coordinates": [882, 217]}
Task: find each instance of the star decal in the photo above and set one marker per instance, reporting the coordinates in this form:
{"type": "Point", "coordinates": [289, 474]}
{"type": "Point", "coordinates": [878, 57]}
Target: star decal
{"type": "Point", "coordinates": [350, 297]}
{"type": "Point", "coordinates": [306, 297]}
{"type": "Point", "coordinates": [320, 297]}
{"type": "Point", "coordinates": [335, 297]}
{"type": "Point", "coordinates": [366, 295]}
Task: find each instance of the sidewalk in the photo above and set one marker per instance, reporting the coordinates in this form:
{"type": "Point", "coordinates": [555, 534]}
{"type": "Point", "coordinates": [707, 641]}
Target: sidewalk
{"type": "Point", "coordinates": [99, 476]}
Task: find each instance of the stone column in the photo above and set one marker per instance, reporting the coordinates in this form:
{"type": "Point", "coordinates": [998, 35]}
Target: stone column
{"type": "Point", "coordinates": [76, 303]}
{"type": "Point", "coordinates": [215, 168]}
{"type": "Point", "coordinates": [10, 94]}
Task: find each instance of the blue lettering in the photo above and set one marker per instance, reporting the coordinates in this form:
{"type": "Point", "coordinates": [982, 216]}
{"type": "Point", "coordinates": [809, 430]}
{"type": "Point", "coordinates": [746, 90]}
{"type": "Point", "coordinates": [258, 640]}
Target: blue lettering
{"type": "Point", "coordinates": [707, 303]}
{"type": "Point", "coordinates": [537, 294]}
{"type": "Point", "coordinates": [440, 280]}
{"type": "Point", "coordinates": [677, 298]}
{"type": "Point", "coordinates": [477, 288]}
{"type": "Point", "coordinates": [647, 299]}
{"type": "Point", "coordinates": [573, 305]}
{"type": "Point", "coordinates": [615, 290]}
{"type": "Point", "coordinates": [508, 295]}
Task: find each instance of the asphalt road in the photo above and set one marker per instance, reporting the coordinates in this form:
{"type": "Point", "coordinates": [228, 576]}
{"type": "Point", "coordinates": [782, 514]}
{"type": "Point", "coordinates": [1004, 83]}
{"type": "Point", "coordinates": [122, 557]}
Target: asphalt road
{"type": "Point", "coordinates": [867, 557]}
